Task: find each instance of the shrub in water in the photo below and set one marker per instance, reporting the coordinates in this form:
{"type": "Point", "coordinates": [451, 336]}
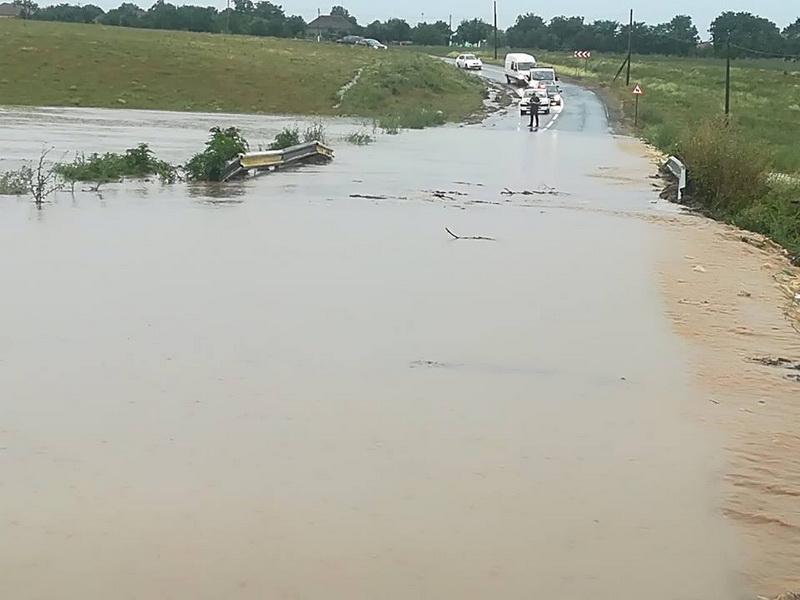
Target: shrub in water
{"type": "Point", "coordinates": [315, 133]}
{"type": "Point", "coordinates": [290, 136]}
{"type": "Point", "coordinates": [136, 162]}
{"type": "Point", "coordinates": [16, 183]}
{"type": "Point", "coordinates": [224, 146]}
{"type": "Point", "coordinates": [359, 138]}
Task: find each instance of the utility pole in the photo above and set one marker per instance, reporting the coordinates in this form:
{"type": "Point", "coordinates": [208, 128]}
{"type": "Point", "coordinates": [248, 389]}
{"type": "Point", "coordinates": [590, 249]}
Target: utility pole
{"type": "Point", "coordinates": [728, 76]}
{"type": "Point", "coordinates": [228, 18]}
{"type": "Point", "coordinates": [450, 27]}
{"type": "Point", "coordinates": [630, 51]}
{"type": "Point", "coordinates": [495, 29]}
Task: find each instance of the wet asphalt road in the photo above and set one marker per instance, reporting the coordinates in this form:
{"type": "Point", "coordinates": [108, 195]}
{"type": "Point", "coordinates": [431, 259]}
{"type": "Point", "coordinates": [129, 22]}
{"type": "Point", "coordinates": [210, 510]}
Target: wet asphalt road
{"type": "Point", "coordinates": [276, 389]}
{"type": "Point", "coordinates": [583, 112]}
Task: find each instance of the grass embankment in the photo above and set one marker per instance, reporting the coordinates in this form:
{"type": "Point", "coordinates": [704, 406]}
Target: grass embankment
{"type": "Point", "coordinates": [731, 166]}
{"type": "Point", "coordinates": [60, 64]}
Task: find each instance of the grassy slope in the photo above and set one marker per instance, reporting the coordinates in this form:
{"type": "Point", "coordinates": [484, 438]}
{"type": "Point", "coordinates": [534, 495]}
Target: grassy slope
{"type": "Point", "coordinates": [59, 64]}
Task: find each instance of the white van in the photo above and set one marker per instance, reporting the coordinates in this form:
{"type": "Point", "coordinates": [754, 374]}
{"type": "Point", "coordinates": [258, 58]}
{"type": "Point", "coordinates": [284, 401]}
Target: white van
{"type": "Point", "coordinates": [519, 67]}
{"type": "Point", "coordinates": [543, 77]}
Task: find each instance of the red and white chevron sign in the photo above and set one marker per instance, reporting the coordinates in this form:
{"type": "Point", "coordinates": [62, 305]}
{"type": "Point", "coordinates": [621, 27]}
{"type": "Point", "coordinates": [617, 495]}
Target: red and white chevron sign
{"type": "Point", "coordinates": [583, 54]}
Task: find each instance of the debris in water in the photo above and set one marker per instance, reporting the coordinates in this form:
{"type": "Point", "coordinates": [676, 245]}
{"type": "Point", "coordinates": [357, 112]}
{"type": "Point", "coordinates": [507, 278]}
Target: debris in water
{"type": "Point", "coordinates": [776, 361]}
{"type": "Point", "coordinates": [377, 197]}
{"type": "Point", "coordinates": [473, 237]}
{"type": "Point", "coordinates": [545, 191]}
{"type": "Point", "coordinates": [430, 364]}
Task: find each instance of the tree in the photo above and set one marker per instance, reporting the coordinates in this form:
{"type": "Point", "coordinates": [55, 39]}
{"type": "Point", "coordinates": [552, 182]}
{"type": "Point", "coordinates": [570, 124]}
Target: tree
{"type": "Point", "coordinates": [377, 31]}
{"type": "Point", "coordinates": [343, 12]}
{"type": "Point", "coordinates": [269, 11]}
{"type": "Point", "coordinates": [198, 18]}
{"type": "Point", "coordinates": [683, 35]}
{"type": "Point", "coordinates": [69, 13]}
{"type": "Point", "coordinates": [243, 6]}
{"type": "Point", "coordinates": [431, 34]}
{"type": "Point", "coordinates": [126, 15]}
{"type": "Point", "coordinates": [792, 36]}
{"type": "Point", "coordinates": [294, 27]}
{"type": "Point", "coordinates": [474, 32]}
{"type": "Point", "coordinates": [27, 8]}
{"type": "Point", "coordinates": [397, 30]}
{"type": "Point", "coordinates": [265, 27]}
{"type": "Point", "coordinates": [161, 15]}
{"type": "Point", "coordinates": [564, 31]}
{"type": "Point", "coordinates": [747, 33]}
{"type": "Point", "coordinates": [528, 32]}
{"type": "Point", "coordinates": [601, 36]}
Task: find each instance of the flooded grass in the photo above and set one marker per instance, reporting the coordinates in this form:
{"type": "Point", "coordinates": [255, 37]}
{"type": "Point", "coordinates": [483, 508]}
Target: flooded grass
{"type": "Point", "coordinates": [61, 64]}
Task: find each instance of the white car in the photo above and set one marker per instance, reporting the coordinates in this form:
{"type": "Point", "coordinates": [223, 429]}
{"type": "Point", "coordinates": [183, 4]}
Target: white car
{"type": "Point", "coordinates": [370, 43]}
{"type": "Point", "coordinates": [470, 62]}
{"type": "Point", "coordinates": [525, 102]}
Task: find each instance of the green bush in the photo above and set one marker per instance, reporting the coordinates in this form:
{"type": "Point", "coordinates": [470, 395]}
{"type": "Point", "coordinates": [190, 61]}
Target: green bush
{"type": "Point", "coordinates": [137, 162]}
{"type": "Point", "coordinates": [287, 137]}
{"type": "Point", "coordinates": [776, 215]}
{"type": "Point", "coordinates": [359, 138]}
{"type": "Point", "coordinates": [224, 146]}
{"type": "Point", "coordinates": [728, 173]}
{"type": "Point", "coordinates": [16, 183]}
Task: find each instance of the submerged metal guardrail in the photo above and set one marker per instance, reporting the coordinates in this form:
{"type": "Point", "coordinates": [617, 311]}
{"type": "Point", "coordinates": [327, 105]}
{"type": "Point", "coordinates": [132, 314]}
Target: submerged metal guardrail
{"type": "Point", "coordinates": [273, 159]}
{"type": "Point", "coordinates": [678, 169]}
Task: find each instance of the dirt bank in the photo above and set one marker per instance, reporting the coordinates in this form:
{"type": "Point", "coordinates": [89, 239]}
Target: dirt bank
{"type": "Point", "coordinates": [731, 301]}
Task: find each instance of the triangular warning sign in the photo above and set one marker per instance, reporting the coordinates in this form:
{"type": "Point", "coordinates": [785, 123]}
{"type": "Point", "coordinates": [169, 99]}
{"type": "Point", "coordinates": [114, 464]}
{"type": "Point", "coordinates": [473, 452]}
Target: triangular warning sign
{"type": "Point", "coordinates": [637, 91]}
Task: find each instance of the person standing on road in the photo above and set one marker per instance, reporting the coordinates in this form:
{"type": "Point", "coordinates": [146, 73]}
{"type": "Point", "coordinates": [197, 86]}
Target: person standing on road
{"type": "Point", "coordinates": [534, 110]}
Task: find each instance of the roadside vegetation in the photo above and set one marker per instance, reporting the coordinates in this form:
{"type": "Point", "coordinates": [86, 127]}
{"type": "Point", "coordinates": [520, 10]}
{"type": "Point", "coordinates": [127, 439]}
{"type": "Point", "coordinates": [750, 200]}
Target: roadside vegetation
{"type": "Point", "coordinates": [64, 64]}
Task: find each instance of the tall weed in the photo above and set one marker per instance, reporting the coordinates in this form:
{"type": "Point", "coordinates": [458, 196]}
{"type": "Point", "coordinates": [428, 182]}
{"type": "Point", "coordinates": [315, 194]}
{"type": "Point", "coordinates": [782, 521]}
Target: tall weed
{"type": "Point", "coordinates": [728, 173]}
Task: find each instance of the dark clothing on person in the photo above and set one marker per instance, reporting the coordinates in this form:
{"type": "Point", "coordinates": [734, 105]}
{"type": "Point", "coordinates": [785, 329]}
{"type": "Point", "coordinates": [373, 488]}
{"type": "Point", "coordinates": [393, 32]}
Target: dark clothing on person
{"type": "Point", "coordinates": [534, 108]}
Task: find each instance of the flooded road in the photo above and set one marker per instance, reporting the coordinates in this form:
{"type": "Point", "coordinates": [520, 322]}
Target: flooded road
{"type": "Point", "coordinates": [283, 391]}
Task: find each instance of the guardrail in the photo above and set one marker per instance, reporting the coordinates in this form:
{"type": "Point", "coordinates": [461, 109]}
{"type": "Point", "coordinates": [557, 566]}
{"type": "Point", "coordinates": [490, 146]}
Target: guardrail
{"type": "Point", "coordinates": [273, 159]}
{"type": "Point", "coordinates": [678, 169]}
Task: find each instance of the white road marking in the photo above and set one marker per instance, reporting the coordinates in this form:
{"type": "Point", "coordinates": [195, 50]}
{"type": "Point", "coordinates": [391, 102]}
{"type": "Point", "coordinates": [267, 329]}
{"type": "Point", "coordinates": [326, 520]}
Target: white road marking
{"type": "Point", "coordinates": [558, 114]}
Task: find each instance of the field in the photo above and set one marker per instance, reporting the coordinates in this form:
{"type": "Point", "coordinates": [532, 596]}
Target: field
{"type": "Point", "coordinates": [59, 64]}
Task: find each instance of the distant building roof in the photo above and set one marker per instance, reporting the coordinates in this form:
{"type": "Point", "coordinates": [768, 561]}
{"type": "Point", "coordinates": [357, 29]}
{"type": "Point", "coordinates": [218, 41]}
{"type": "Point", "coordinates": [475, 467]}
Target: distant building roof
{"type": "Point", "coordinates": [9, 10]}
{"type": "Point", "coordinates": [331, 23]}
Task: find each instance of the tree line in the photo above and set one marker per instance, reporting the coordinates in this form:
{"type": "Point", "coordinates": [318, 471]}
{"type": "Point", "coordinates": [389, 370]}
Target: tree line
{"type": "Point", "coordinates": [747, 34]}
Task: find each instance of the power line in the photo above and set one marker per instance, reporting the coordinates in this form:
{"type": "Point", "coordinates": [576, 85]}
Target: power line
{"type": "Point", "coordinates": [765, 53]}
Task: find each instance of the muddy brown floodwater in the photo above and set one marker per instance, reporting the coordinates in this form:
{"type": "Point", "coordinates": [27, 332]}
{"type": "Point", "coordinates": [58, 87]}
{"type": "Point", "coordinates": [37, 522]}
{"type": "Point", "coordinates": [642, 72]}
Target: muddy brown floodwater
{"type": "Point", "coordinates": [277, 390]}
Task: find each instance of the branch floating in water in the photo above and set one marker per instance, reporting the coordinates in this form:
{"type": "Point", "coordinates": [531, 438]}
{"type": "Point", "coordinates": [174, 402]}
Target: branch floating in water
{"type": "Point", "coordinates": [473, 237]}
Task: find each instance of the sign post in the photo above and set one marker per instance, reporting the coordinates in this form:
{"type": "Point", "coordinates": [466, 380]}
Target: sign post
{"type": "Point", "coordinates": [585, 55]}
{"type": "Point", "coordinates": [637, 92]}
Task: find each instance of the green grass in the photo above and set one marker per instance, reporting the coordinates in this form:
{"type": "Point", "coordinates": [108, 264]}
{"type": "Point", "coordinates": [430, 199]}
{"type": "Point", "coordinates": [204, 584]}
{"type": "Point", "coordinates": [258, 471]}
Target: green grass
{"type": "Point", "coordinates": [411, 90]}
{"type": "Point", "coordinates": [61, 64]}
